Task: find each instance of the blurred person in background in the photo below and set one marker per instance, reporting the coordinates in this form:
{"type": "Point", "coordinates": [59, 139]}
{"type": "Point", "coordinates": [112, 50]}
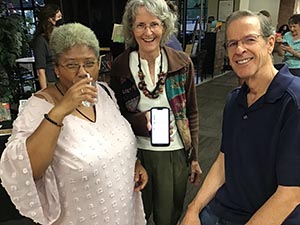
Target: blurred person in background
{"type": "Point", "coordinates": [290, 45]}
{"type": "Point", "coordinates": [173, 41]}
{"type": "Point", "coordinates": [49, 17]}
{"type": "Point", "coordinates": [267, 14]}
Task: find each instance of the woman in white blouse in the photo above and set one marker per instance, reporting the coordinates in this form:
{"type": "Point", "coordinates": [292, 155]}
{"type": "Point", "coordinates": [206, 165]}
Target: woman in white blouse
{"type": "Point", "coordinates": [67, 163]}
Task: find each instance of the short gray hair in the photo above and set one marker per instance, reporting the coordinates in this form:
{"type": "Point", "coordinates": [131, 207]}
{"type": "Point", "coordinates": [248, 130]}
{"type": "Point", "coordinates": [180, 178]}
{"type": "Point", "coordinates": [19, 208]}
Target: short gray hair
{"type": "Point", "coordinates": [68, 35]}
{"type": "Point", "coordinates": [266, 28]}
{"type": "Point", "coordinates": [158, 8]}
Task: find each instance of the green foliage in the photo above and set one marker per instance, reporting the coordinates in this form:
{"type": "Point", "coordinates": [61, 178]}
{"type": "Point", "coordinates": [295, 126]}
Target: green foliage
{"type": "Point", "coordinates": [11, 28]}
{"type": "Point", "coordinates": [13, 44]}
{"type": "Point", "coordinates": [6, 92]}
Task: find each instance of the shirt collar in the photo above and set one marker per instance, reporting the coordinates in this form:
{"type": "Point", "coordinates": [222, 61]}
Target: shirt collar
{"type": "Point", "coordinates": [277, 87]}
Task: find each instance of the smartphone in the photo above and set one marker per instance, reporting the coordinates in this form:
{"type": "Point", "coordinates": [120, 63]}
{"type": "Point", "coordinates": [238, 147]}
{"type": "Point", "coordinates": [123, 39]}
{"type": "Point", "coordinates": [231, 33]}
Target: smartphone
{"type": "Point", "coordinates": [160, 122]}
{"type": "Point", "coordinates": [285, 43]}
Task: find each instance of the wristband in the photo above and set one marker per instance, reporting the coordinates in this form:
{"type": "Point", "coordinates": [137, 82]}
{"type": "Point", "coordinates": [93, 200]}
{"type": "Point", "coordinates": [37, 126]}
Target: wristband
{"type": "Point", "coordinates": [46, 116]}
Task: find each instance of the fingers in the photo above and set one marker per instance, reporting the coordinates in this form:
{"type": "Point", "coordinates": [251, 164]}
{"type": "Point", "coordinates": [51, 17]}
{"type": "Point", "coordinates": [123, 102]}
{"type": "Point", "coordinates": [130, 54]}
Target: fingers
{"type": "Point", "coordinates": [195, 178]}
{"type": "Point", "coordinates": [140, 177]}
{"type": "Point", "coordinates": [171, 132]}
{"type": "Point", "coordinates": [196, 173]}
{"type": "Point", "coordinates": [148, 122]}
{"type": "Point", "coordinates": [171, 129]}
{"type": "Point", "coordinates": [140, 182]}
{"type": "Point", "coordinates": [88, 93]}
{"type": "Point", "coordinates": [81, 91]}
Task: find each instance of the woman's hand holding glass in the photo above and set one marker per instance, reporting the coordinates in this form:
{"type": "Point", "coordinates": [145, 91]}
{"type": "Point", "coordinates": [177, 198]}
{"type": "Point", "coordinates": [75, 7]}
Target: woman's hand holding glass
{"type": "Point", "coordinates": [80, 91]}
{"type": "Point", "coordinates": [87, 102]}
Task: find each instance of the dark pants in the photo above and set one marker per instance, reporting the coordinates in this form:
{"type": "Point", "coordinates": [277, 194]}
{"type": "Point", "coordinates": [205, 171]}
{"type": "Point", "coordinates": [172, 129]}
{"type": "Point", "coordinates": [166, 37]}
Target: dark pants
{"type": "Point", "coordinates": [24, 221]}
{"type": "Point", "coordinates": [164, 194]}
{"type": "Point", "coordinates": [207, 217]}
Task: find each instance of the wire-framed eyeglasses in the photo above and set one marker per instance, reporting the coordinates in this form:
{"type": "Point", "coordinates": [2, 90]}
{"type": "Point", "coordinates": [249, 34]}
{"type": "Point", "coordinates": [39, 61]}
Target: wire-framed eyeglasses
{"type": "Point", "coordinates": [247, 40]}
{"type": "Point", "coordinates": [74, 67]}
{"type": "Point", "coordinates": [141, 27]}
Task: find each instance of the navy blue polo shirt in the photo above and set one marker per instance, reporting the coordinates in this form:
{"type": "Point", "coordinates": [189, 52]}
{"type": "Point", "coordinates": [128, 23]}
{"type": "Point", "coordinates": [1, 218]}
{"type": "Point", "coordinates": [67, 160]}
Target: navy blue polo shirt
{"type": "Point", "coordinates": [261, 145]}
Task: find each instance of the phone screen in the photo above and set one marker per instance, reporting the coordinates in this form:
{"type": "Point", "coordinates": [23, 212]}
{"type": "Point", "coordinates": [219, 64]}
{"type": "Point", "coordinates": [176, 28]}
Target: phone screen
{"type": "Point", "coordinates": [285, 43]}
{"type": "Point", "coordinates": [160, 122]}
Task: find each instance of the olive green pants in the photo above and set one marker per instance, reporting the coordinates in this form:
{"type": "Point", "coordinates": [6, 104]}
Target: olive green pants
{"type": "Point", "coordinates": [164, 194]}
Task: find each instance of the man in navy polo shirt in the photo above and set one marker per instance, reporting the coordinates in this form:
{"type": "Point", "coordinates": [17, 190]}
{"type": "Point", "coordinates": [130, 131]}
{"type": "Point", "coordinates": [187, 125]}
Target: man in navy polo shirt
{"type": "Point", "coordinates": [256, 176]}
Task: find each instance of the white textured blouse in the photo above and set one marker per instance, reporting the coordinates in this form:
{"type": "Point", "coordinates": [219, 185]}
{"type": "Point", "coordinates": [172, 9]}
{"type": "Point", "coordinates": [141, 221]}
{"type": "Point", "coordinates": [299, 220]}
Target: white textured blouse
{"type": "Point", "coordinates": [90, 179]}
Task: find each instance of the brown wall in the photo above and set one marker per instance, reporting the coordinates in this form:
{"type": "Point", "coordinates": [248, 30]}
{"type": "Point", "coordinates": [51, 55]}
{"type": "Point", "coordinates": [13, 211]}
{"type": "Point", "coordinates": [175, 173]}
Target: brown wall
{"type": "Point", "coordinates": [286, 9]}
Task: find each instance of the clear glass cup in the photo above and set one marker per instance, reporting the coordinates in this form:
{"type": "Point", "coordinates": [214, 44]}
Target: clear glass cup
{"type": "Point", "coordinates": [93, 83]}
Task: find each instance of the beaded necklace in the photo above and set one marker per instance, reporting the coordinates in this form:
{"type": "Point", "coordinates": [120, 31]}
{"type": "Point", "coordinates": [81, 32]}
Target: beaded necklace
{"type": "Point", "coordinates": [159, 84]}
{"type": "Point", "coordinates": [81, 113]}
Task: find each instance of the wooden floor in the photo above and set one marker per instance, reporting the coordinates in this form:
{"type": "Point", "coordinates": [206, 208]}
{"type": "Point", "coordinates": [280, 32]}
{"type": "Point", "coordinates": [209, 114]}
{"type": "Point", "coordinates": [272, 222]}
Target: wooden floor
{"type": "Point", "coordinates": [211, 100]}
{"type": "Point", "coordinates": [212, 95]}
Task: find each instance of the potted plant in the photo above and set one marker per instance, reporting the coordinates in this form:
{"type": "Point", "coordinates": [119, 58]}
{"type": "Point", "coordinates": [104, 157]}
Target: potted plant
{"type": "Point", "coordinates": [13, 44]}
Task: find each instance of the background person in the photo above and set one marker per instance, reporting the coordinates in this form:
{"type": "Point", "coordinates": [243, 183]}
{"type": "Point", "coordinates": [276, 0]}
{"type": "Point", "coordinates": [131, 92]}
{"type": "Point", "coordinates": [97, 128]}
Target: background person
{"type": "Point", "coordinates": [150, 74]}
{"type": "Point", "coordinates": [283, 29]}
{"type": "Point", "coordinates": [267, 14]}
{"type": "Point", "coordinates": [290, 45]}
{"type": "Point", "coordinates": [173, 41]}
{"type": "Point", "coordinates": [70, 164]}
{"type": "Point", "coordinates": [254, 179]}
{"type": "Point", "coordinates": [48, 17]}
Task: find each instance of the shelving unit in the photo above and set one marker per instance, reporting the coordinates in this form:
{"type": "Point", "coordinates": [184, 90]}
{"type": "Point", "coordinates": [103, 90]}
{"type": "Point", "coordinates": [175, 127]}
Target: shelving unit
{"type": "Point", "coordinates": [191, 12]}
{"type": "Point", "coordinates": [214, 60]}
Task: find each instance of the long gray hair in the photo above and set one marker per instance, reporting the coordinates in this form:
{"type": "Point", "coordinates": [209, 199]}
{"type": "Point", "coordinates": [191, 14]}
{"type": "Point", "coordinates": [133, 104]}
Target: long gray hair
{"type": "Point", "coordinates": [158, 8]}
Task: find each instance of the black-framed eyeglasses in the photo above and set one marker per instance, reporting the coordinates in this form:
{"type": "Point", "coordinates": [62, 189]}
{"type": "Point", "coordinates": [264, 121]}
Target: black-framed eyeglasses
{"type": "Point", "coordinates": [247, 40]}
{"type": "Point", "coordinates": [74, 67]}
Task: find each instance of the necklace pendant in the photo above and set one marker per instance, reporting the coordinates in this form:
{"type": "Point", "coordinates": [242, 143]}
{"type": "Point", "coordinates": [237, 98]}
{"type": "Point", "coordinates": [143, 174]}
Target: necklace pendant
{"type": "Point", "coordinates": [159, 84]}
{"type": "Point", "coordinates": [141, 75]}
{"type": "Point", "coordinates": [142, 85]}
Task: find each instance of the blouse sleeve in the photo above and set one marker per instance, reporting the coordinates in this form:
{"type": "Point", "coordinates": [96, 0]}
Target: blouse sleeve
{"type": "Point", "coordinates": [36, 199]}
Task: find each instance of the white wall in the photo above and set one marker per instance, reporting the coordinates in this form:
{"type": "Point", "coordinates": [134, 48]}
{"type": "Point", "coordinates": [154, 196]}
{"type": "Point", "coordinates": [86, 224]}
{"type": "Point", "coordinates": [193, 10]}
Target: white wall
{"type": "Point", "coordinates": [244, 4]}
{"type": "Point", "coordinates": [297, 6]}
{"type": "Point", "coordinates": [256, 5]}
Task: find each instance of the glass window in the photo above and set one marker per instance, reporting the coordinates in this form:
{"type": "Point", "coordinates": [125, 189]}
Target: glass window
{"type": "Point", "coordinates": [27, 3]}
{"type": "Point", "coordinates": [26, 8]}
{"type": "Point", "coordinates": [30, 20]}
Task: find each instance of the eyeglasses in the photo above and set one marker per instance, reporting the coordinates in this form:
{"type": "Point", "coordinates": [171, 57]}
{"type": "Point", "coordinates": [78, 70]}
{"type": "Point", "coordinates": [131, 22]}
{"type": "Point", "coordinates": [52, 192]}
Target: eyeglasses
{"type": "Point", "coordinates": [248, 40]}
{"type": "Point", "coordinates": [74, 67]}
{"type": "Point", "coordinates": [141, 27]}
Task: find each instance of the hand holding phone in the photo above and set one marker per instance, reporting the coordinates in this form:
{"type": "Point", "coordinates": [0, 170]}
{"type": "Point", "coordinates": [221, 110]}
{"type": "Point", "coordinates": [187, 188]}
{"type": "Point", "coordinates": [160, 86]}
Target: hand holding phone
{"type": "Point", "coordinates": [160, 123]}
{"type": "Point", "coordinates": [285, 43]}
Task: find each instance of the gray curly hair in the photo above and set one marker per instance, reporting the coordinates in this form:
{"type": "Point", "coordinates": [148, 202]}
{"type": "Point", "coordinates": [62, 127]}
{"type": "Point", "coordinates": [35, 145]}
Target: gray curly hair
{"type": "Point", "coordinates": [158, 8]}
{"type": "Point", "coordinates": [68, 35]}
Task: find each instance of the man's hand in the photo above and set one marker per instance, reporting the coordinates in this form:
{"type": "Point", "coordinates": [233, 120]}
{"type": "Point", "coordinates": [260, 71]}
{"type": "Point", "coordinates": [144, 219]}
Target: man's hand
{"type": "Point", "coordinates": [191, 217]}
